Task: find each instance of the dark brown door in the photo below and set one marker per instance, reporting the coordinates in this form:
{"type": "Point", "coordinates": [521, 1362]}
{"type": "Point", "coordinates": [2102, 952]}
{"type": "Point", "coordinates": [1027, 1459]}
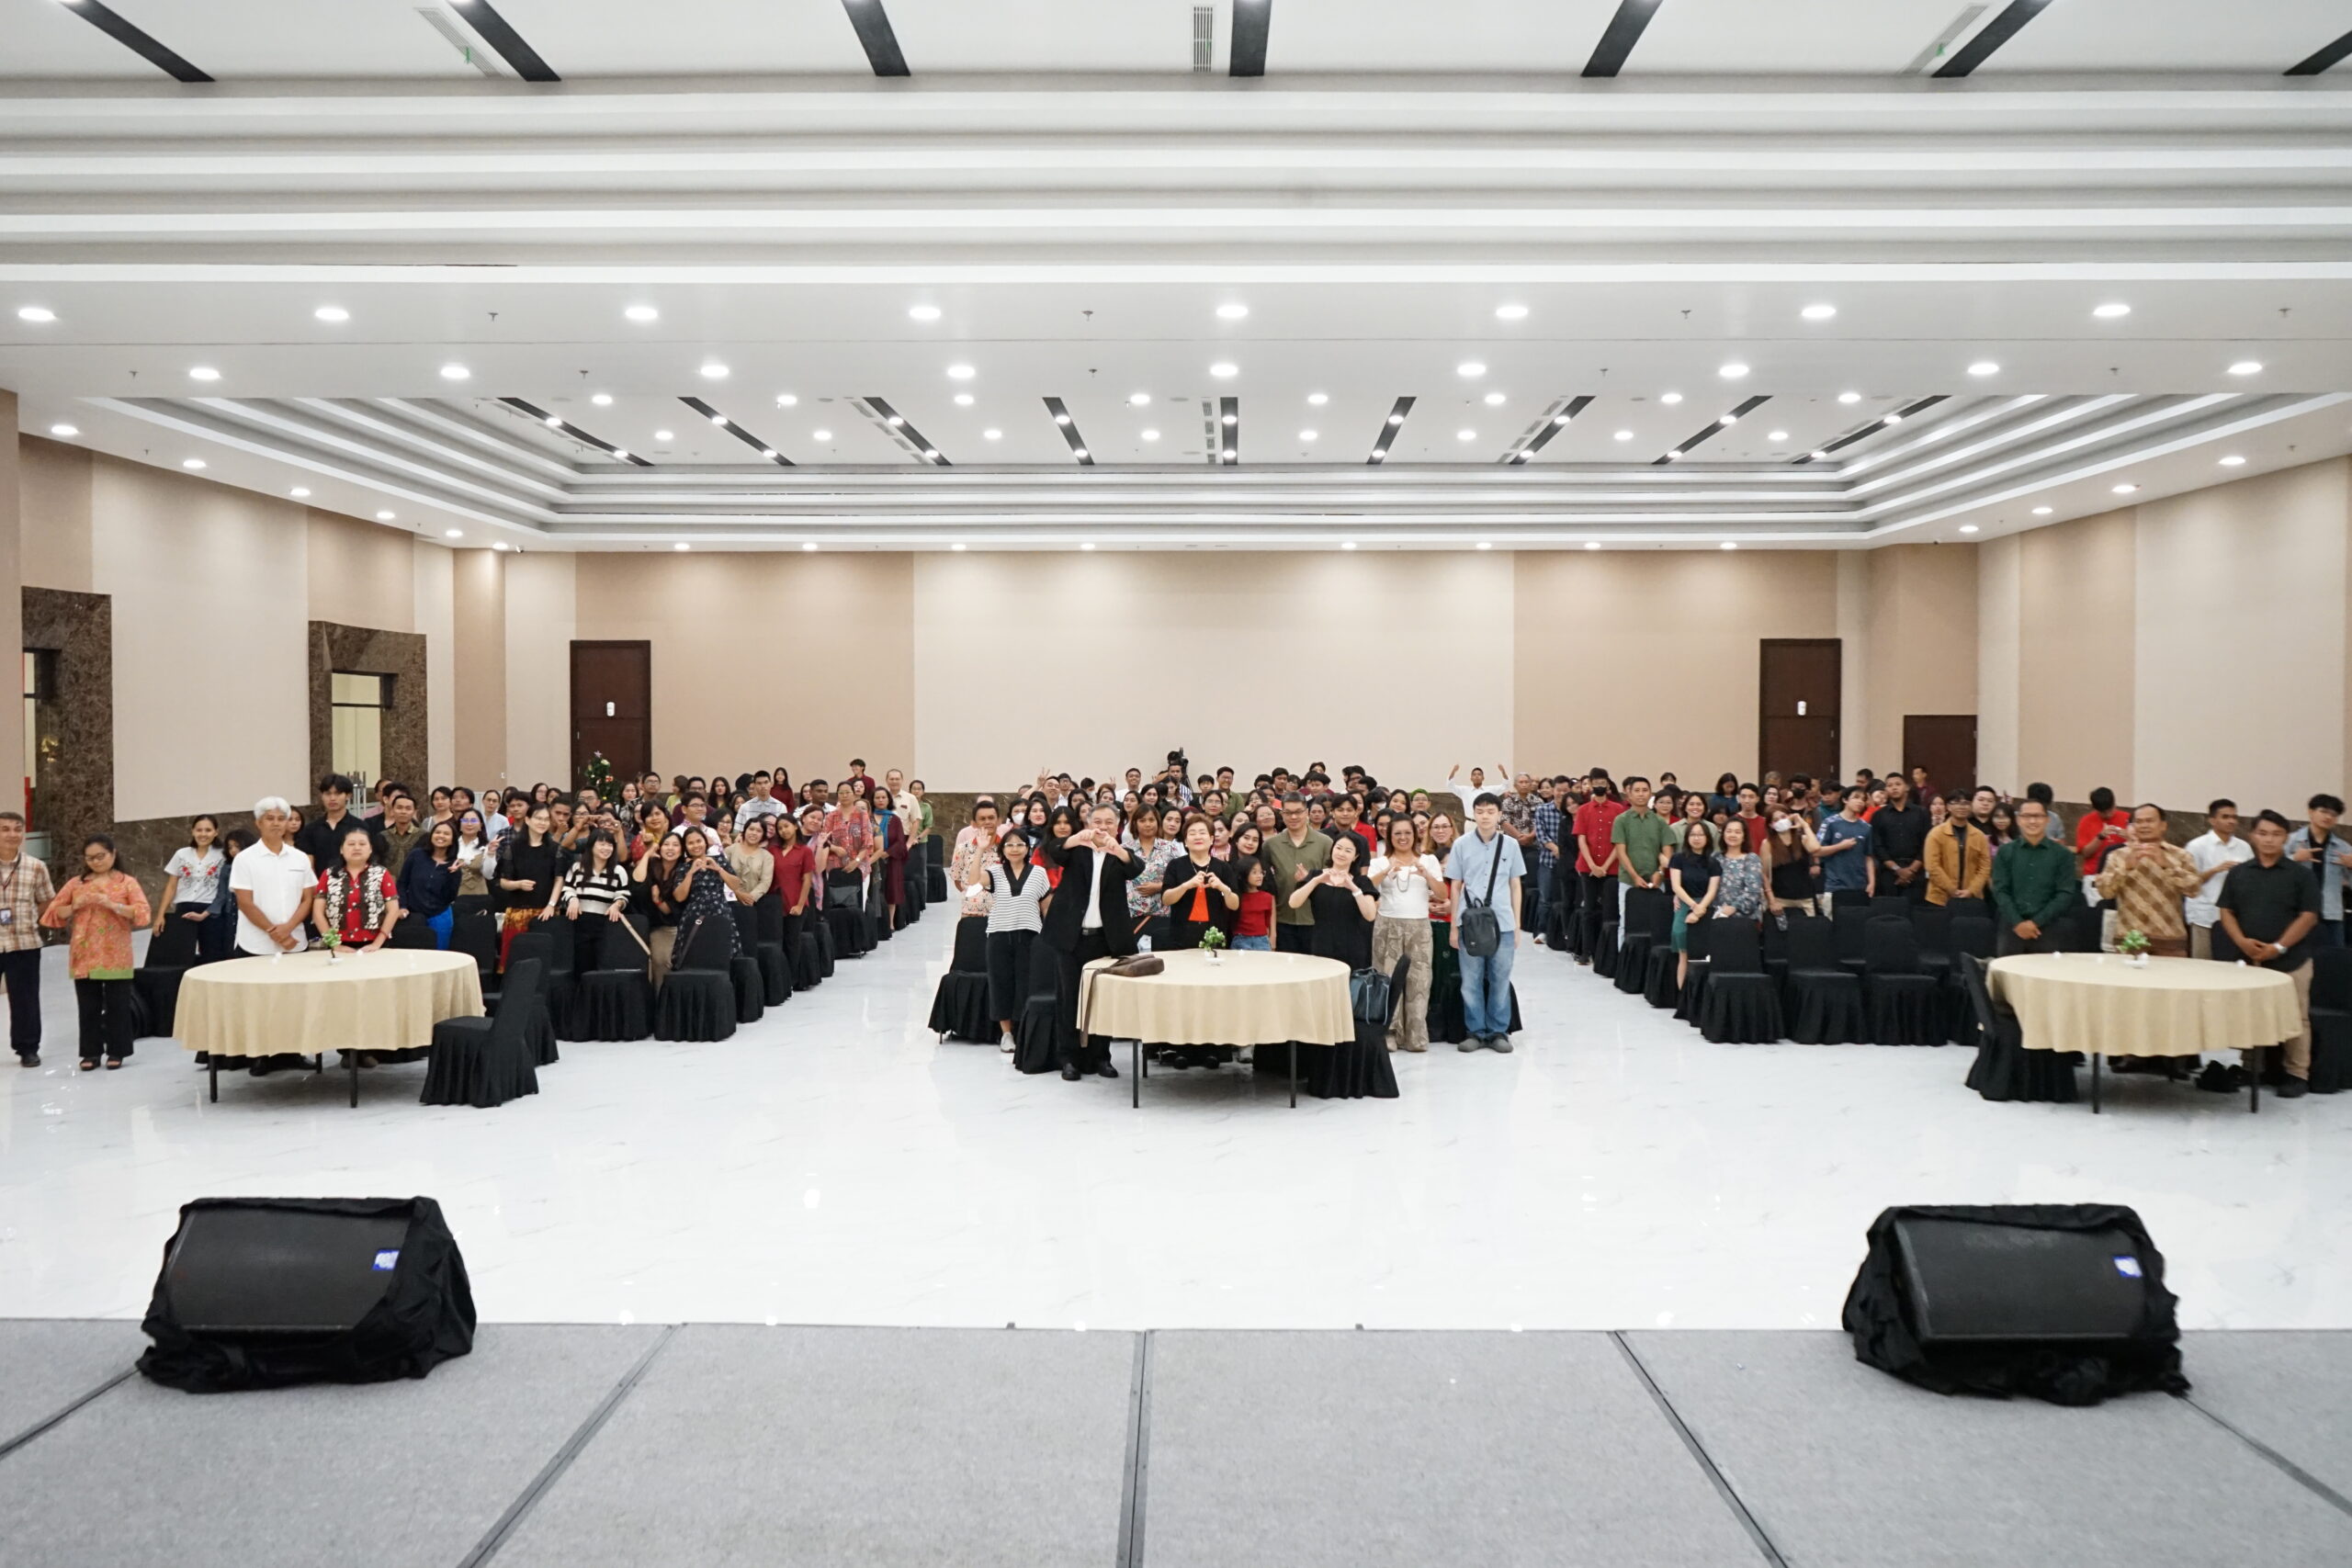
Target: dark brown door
{"type": "Point", "coordinates": [611, 706]}
{"type": "Point", "coordinates": [1944, 744]}
{"type": "Point", "coordinates": [1799, 680]}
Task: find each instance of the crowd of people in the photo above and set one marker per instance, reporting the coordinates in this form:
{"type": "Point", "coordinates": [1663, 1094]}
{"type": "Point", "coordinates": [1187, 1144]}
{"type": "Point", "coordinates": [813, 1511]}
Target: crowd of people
{"type": "Point", "coordinates": [1341, 867]}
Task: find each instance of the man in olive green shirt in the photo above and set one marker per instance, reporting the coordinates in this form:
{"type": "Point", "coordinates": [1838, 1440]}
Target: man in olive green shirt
{"type": "Point", "coordinates": [2035, 885]}
{"type": "Point", "coordinates": [1645, 842]}
{"type": "Point", "coordinates": [1294, 854]}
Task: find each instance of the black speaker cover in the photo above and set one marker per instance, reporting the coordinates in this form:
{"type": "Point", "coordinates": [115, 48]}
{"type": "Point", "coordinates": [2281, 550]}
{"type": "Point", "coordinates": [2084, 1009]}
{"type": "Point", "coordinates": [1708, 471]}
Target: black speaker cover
{"type": "Point", "coordinates": [261, 1292]}
{"type": "Point", "coordinates": [2061, 1301]}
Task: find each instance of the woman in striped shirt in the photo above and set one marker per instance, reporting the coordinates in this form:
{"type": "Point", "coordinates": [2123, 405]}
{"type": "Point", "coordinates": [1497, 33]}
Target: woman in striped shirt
{"type": "Point", "coordinates": [1017, 891]}
{"type": "Point", "coordinates": [594, 894]}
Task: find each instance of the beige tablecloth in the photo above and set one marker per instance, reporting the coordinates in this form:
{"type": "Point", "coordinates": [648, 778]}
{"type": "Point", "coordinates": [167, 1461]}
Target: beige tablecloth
{"type": "Point", "coordinates": [2174, 1007]}
{"type": "Point", "coordinates": [1250, 999]}
{"type": "Point", "coordinates": [300, 1005]}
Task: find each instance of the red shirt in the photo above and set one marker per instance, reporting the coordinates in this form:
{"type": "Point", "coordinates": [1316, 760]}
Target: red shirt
{"type": "Point", "coordinates": [1257, 918]}
{"type": "Point", "coordinates": [355, 930]}
{"type": "Point", "coordinates": [793, 867]}
{"type": "Point", "coordinates": [2094, 834]}
{"type": "Point", "coordinates": [1594, 819]}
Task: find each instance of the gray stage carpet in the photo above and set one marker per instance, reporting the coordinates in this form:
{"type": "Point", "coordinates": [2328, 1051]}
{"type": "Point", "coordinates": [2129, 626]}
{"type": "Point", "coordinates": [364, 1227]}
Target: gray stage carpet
{"type": "Point", "coordinates": [712, 1446]}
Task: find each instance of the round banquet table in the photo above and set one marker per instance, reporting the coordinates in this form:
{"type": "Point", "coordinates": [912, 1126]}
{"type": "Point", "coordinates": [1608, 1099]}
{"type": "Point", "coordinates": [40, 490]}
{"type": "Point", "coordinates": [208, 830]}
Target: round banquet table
{"type": "Point", "coordinates": [302, 1005]}
{"type": "Point", "coordinates": [2098, 1004]}
{"type": "Point", "coordinates": [1246, 998]}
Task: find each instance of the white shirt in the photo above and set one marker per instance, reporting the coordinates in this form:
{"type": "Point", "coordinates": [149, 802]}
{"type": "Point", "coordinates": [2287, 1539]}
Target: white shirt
{"type": "Point", "coordinates": [280, 882]}
{"type": "Point", "coordinates": [1092, 920]}
{"type": "Point", "coordinates": [1405, 896]}
{"type": "Point", "coordinates": [2208, 850]}
{"type": "Point", "coordinates": [200, 875]}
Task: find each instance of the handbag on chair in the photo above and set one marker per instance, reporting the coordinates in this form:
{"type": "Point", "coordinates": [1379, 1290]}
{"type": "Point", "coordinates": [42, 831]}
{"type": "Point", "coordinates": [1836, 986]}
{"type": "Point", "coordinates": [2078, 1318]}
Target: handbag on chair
{"type": "Point", "coordinates": [1368, 996]}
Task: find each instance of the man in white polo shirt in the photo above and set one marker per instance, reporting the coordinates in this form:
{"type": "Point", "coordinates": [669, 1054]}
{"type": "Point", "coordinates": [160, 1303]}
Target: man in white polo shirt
{"type": "Point", "coordinates": [273, 883]}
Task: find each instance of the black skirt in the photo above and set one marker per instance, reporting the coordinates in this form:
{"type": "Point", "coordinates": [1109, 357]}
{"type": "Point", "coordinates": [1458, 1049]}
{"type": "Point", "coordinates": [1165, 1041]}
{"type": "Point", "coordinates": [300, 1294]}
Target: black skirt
{"type": "Point", "coordinates": [1009, 954]}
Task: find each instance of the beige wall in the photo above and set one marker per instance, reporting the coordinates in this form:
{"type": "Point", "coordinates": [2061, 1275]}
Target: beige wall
{"type": "Point", "coordinates": [360, 575]}
{"type": "Point", "coordinates": [541, 611]}
{"type": "Point", "coordinates": [1647, 660]}
{"type": "Point", "coordinates": [2076, 638]}
{"type": "Point", "coordinates": [54, 481]}
{"type": "Point", "coordinates": [761, 659]}
{"type": "Point", "coordinates": [12, 613]}
{"type": "Point", "coordinates": [477, 641]}
{"type": "Point", "coordinates": [434, 572]}
{"type": "Point", "coordinates": [1918, 652]}
{"type": "Point", "coordinates": [211, 611]}
{"type": "Point", "coordinates": [1997, 587]}
{"type": "Point", "coordinates": [1162, 651]}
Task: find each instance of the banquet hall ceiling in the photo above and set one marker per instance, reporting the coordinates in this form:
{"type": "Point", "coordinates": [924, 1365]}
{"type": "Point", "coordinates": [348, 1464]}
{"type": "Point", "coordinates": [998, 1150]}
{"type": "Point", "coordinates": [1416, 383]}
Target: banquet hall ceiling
{"type": "Point", "coordinates": [1623, 269]}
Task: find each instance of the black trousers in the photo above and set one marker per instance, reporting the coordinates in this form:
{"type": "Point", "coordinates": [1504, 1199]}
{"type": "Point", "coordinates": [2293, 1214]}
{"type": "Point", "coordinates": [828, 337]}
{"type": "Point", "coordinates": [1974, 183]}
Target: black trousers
{"type": "Point", "coordinates": [1069, 970]}
{"type": "Point", "coordinates": [22, 972]}
{"type": "Point", "coordinates": [1294, 939]}
{"type": "Point", "coordinates": [107, 1023]}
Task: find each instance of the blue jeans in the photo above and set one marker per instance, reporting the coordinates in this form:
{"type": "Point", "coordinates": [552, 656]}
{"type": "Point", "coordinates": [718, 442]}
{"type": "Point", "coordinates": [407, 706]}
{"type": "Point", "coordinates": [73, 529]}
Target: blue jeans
{"type": "Point", "coordinates": [1485, 989]}
{"type": "Point", "coordinates": [1253, 944]}
{"type": "Point", "coordinates": [441, 924]}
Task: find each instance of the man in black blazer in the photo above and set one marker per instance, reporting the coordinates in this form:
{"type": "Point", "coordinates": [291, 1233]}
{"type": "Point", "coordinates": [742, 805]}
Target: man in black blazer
{"type": "Point", "coordinates": [1087, 918]}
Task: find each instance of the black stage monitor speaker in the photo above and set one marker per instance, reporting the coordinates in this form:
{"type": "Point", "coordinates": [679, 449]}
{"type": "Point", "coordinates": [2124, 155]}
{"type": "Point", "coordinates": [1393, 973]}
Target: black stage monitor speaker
{"type": "Point", "coordinates": [259, 1292]}
{"type": "Point", "coordinates": [2064, 1302]}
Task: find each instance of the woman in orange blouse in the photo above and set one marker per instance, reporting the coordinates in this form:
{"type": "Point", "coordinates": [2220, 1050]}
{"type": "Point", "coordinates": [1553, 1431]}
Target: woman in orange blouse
{"type": "Point", "coordinates": [102, 907]}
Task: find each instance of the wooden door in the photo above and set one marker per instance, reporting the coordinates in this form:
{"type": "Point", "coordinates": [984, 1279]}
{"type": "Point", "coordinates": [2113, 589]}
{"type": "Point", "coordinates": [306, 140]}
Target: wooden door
{"type": "Point", "coordinates": [611, 706]}
{"type": "Point", "coordinates": [1944, 744]}
{"type": "Point", "coordinates": [1799, 682]}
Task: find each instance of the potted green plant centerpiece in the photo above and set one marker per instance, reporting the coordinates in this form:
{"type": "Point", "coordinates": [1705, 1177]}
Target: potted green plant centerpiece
{"type": "Point", "coordinates": [2134, 946]}
{"type": "Point", "coordinates": [333, 943]}
{"type": "Point", "coordinates": [1213, 943]}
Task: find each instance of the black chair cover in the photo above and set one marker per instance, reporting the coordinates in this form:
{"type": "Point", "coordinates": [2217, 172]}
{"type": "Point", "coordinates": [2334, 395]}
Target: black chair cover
{"type": "Point", "coordinates": [2004, 1068]}
{"type": "Point", "coordinates": [2331, 1020]}
{"type": "Point", "coordinates": [1606, 952]}
{"type": "Point", "coordinates": [808, 965]}
{"type": "Point", "coordinates": [828, 950]}
{"type": "Point", "coordinates": [156, 988]}
{"type": "Point", "coordinates": [1742, 1006]}
{"type": "Point", "coordinates": [934, 869]}
{"type": "Point", "coordinates": [775, 973]}
{"type": "Point", "coordinates": [413, 934]}
{"type": "Point", "coordinates": [1698, 941]}
{"type": "Point", "coordinates": [1901, 998]}
{"type": "Point", "coordinates": [1824, 1000]}
{"type": "Point", "coordinates": [751, 987]}
{"type": "Point", "coordinates": [1034, 1047]}
{"type": "Point", "coordinates": [1878, 1315]}
{"type": "Point", "coordinates": [486, 1062]}
{"type": "Point", "coordinates": [1649, 917]}
{"type": "Point", "coordinates": [550, 942]}
{"type": "Point", "coordinates": [1659, 988]}
{"type": "Point", "coordinates": [1852, 917]}
{"type": "Point", "coordinates": [613, 1000]}
{"type": "Point", "coordinates": [1360, 1068]}
{"type": "Point", "coordinates": [971, 946]}
{"type": "Point", "coordinates": [697, 999]}
{"type": "Point", "coordinates": [768, 916]}
{"type": "Point", "coordinates": [1971, 936]}
{"type": "Point", "coordinates": [1449, 1024]}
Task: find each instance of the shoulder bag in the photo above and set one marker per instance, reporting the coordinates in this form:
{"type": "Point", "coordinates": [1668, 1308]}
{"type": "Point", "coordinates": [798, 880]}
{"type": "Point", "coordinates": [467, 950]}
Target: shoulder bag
{"type": "Point", "coordinates": [1481, 927]}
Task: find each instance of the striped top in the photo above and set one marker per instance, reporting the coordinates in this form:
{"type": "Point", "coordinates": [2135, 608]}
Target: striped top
{"type": "Point", "coordinates": [597, 891]}
{"type": "Point", "coordinates": [1017, 911]}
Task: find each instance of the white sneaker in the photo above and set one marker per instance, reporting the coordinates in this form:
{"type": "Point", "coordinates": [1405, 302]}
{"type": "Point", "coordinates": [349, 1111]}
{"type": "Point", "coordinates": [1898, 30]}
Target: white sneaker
{"type": "Point", "coordinates": [1005, 1044]}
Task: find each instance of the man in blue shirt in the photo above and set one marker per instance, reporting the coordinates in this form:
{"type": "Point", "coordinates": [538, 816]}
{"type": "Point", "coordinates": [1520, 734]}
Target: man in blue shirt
{"type": "Point", "coordinates": [1846, 871]}
{"type": "Point", "coordinates": [1487, 861]}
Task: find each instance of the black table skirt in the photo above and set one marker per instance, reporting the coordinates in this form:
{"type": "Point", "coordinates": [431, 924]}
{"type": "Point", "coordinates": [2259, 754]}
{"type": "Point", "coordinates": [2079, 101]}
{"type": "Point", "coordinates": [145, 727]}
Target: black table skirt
{"type": "Point", "coordinates": [2005, 1070]}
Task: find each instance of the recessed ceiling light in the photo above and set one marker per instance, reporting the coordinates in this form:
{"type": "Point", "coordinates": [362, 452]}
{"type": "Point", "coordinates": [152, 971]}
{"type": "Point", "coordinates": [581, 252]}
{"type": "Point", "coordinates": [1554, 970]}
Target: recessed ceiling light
{"type": "Point", "coordinates": [300, 492]}
{"type": "Point", "coordinates": [1087, 546]}
{"type": "Point", "coordinates": [332, 313]}
{"type": "Point", "coordinates": [2043, 511]}
{"type": "Point", "coordinates": [1347, 544]}
{"type": "Point", "coordinates": [713, 371]}
{"type": "Point", "coordinates": [1469, 370]}
{"type": "Point", "coordinates": [642, 314]}
{"type": "Point", "coordinates": [455, 372]}
{"type": "Point", "coordinates": [786, 400]}
{"type": "Point", "coordinates": [1670, 456]}
{"type": "Point", "coordinates": [681, 545]}
{"type": "Point", "coordinates": [1485, 545]}
{"type": "Point", "coordinates": [386, 516]}
{"type": "Point", "coordinates": [1893, 419]}
{"type": "Point", "coordinates": [1231, 311]}
{"type": "Point", "coordinates": [991, 434]}
{"type": "Point", "coordinates": [203, 373]}
{"type": "Point", "coordinates": [498, 545]}
{"type": "Point", "coordinates": [34, 313]}
{"type": "Point", "coordinates": [1138, 400]}
{"type": "Point", "coordinates": [1776, 436]}
{"type": "Point", "coordinates": [960, 372]}
{"type": "Point", "coordinates": [1307, 435]}
{"type": "Point", "coordinates": [922, 313]}
{"type": "Point", "coordinates": [1593, 544]}
{"type": "Point", "coordinates": [2111, 312]}
{"type": "Point", "coordinates": [1968, 527]}
{"type": "Point", "coordinates": [63, 430]}
{"type": "Point", "coordinates": [1494, 399]}
{"type": "Point", "coordinates": [2247, 368]}
{"type": "Point", "coordinates": [1983, 367]}
{"type": "Point", "coordinates": [1466, 436]}
{"type": "Point", "coordinates": [619, 454]}
{"type": "Point", "coordinates": [1225, 370]}
{"type": "Point", "coordinates": [1319, 399]}
{"type": "Point", "coordinates": [664, 436]}
{"type": "Point", "coordinates": [453, 532]}
{"type": "Point", "coordinates": [1061, 419]}
{"type": "Point", "coordinates": [1233, 418]}
{"type": "Point", "coordinates": [957, 546]}
{"type": "Point", "coordinates": [1818, 312]}
{"type": "Point", "coordinates": [963, 399]}
{"type": "Point", "coordinates": [896, 421]}
{"type": "Point", "coordinates": [810, 546]}
{"type": "Point", "coordinates": [602, 399]}
{"type": "Point", "coordinates": [1728, 419]}
{"type": "Point", "coordinates": [1727, 545]}
{"type": "Point", "coordinates": [555, 421]}
{"type": "Point", "coordinates": [1151, 435]}
{"type": "Point", "coordinates": [1080, 452]}
{"type": "Point", "coordinates": [1378, 453]}
{"type": "Point", "coordinates": [191, 463]}
{"type": "Point", "coordinates": [1396, 419]}
{"type": "Point", "coordinates": [768, 452]}
{"type": "Point", "coordinates": [1735, 371]}
{"type": "Point", "coordinates": [1510, 312]}
{"type": "Point", "coordinates": [1562, 418]}
{"type": "Point", "coordinates": [2232, 461]}
{"type": "Point", "coordinates": [1669, 396]}
{"type": "Point", "coordinates": [1624, 436]}
{"type": "Point", "coordinates": [1849, 397]}
{"type": "Point", "coordinates": [1818, 454]}
{"type": "Point", "coordinates": [2126, 489]}
{"type": "Point", "coordinates": [821, 434]}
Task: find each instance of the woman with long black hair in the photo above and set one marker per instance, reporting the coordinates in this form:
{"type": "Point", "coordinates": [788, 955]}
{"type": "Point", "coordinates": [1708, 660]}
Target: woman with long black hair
{"type": "Point", "coordinates": [1017, 890]}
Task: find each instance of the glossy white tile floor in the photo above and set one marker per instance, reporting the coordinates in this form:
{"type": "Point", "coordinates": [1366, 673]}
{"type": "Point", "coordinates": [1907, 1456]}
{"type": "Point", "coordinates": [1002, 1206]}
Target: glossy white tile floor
{"type": "Point", "coordinates": [833, 1164]}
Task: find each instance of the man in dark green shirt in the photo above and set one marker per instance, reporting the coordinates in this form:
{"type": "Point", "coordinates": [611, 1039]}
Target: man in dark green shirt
{"type": "Point", "coordinates": [1294, 855]}
{"type": "Point", "coordinates": [2035, 884]}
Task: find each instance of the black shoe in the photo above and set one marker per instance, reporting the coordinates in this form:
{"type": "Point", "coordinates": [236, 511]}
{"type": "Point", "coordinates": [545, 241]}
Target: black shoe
{"type": "Point", "coordinates": [2294, 1088]}
{"type": "Point", "coordinates": [1071, 1075]}
{"type": "Point", "coordinates": [29, 1059]}
{"type": "Point", "coordinates": [1107, 1070]}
